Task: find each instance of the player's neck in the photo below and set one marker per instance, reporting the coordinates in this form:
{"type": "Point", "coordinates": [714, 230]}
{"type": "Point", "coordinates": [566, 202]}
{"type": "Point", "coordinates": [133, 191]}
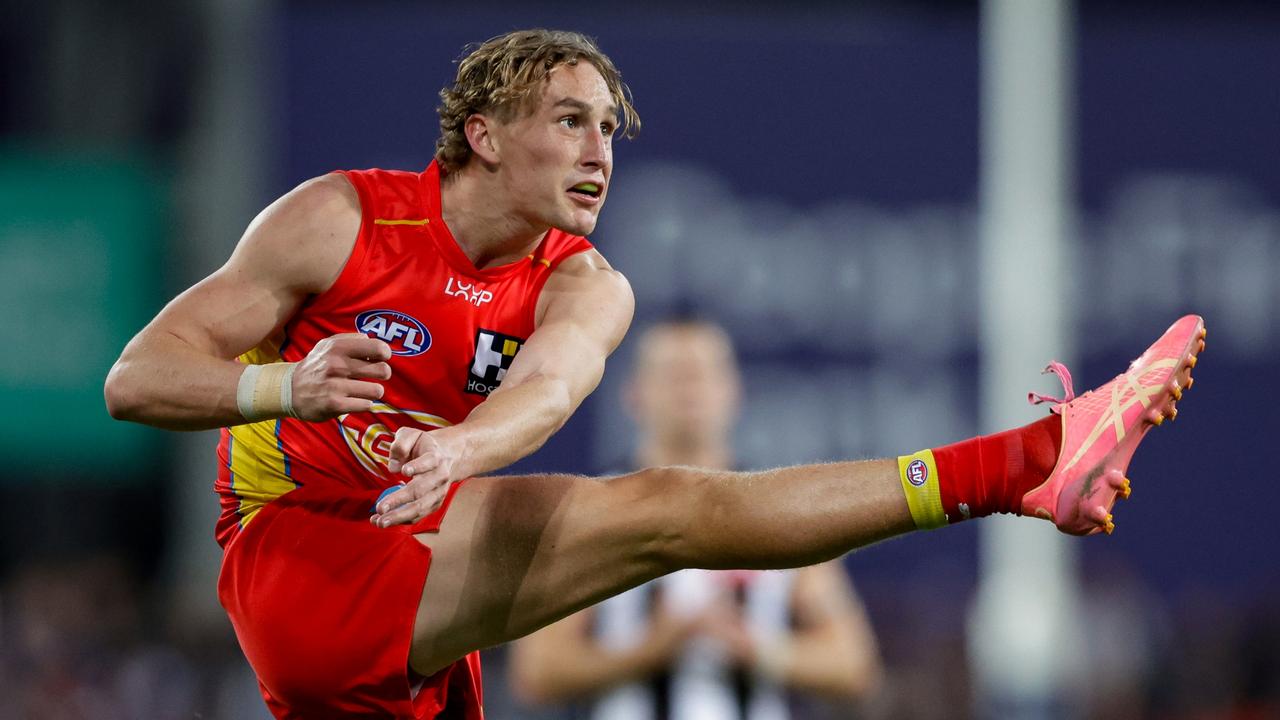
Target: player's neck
{"type": "Point", "coordinates": [487, 231]}
{"type": "Point", "coordinates": [713, 455]}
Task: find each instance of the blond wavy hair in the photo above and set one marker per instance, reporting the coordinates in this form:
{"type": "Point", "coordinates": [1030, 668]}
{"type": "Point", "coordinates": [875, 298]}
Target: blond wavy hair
{"type": "Point", "coordinates": [505, 74]}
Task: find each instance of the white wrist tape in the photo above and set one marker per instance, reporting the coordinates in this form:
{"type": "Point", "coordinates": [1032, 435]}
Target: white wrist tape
{"type": "Point", "coordinates": [266, 391]}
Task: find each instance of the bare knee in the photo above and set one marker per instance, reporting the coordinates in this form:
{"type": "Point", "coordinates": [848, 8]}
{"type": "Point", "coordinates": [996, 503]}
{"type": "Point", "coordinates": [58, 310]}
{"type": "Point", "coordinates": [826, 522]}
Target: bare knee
{"type": "Point", "coordinates": [517, 553]}
{"type": "Point", "coordinates": [602, 538]}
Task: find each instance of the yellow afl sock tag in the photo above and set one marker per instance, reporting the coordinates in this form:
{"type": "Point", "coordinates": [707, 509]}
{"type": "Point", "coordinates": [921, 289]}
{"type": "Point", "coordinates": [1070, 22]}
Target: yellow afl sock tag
{"type": "Point", "coordinates": [919, 475]}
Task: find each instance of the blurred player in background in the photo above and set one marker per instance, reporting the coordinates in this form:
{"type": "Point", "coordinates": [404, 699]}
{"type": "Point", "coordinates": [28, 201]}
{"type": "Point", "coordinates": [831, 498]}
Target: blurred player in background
{"type": "Point", "coordinates": [701, 644]}
{"type": "Point", "coordinates": [434, 326]}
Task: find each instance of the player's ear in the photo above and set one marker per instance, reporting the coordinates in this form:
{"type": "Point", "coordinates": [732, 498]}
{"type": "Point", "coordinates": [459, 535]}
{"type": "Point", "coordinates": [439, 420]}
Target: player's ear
{"type": "Point", "coordinates": [484, 145]}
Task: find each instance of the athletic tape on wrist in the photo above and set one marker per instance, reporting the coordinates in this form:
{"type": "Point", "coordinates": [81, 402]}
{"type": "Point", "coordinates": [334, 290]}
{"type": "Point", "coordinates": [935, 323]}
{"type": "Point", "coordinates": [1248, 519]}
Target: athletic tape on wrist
{"type": "Point", "coordinates": [244, 392]}
{"type": "Point", "coordinates": [919, 476]}
{"type": "Point", "coordinates": [266, 392]}
{"type": "Point", "coordinates": [286, 390]}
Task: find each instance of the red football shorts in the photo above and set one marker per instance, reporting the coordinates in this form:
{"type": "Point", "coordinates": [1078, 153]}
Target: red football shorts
{"type": "Point", "coordinates": [323, 604]}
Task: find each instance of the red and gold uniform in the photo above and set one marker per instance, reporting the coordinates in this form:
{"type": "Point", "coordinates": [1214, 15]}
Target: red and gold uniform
{"type": "Point", "coordinates": [322, 602]}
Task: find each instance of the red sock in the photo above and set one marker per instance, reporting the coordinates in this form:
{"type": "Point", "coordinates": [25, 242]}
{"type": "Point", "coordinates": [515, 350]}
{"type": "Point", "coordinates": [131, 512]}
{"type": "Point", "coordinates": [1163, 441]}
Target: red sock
{"type": "Point", "coordinates": [991, 473]}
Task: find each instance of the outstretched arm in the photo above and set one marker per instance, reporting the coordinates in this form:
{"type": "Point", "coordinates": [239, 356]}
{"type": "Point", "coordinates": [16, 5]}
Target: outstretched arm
{"type": "Point", "coordinates": [180, 371]}
{"type": "Point", "coordinates": [583, 312]}
{"type": "Point", "coordinates": [833, 650]}
{"type": "Point", "coordinates": [563, 662]}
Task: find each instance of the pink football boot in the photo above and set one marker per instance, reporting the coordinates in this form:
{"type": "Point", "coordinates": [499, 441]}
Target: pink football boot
{"type": "Point", "coordinates": [1102, 428]}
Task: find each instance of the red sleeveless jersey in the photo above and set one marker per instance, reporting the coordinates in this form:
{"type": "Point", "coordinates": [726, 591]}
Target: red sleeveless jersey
{"type": "Point", "coordinates": [453, 330]}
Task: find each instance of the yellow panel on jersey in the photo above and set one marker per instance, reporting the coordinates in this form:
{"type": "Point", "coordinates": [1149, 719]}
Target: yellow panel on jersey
{"type": "Point", "coordinates": [259, 468]}
{"type": "Point", "coordinates": [259, 465]}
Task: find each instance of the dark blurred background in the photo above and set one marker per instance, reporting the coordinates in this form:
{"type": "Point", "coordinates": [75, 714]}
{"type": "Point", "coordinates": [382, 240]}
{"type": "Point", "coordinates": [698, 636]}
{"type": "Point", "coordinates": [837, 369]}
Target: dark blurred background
{"type": "Point", "coordinates": [808, 174]}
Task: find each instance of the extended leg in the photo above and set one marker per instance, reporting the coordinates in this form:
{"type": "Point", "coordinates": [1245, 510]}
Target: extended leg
{"type": "Point", "coordinates": [515, 554]}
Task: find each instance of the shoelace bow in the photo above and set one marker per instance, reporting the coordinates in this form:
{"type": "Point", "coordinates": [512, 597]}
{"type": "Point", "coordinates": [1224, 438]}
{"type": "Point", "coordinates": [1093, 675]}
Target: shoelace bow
{"type": "Point", "coordinates": [1064, 375]}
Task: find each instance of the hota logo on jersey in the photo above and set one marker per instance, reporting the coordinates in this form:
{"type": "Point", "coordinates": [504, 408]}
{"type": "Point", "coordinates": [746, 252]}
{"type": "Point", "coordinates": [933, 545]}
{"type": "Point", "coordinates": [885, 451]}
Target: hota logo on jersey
{"type": "Point", "coordinates": [404, 334]}
{"type": "Point", "coordinates": [494, 353]}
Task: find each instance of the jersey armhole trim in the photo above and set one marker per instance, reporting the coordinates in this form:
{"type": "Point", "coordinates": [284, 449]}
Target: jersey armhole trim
{"type": "Point", "coordinates": [541, 278]}
{"type": "Point", "coordinates": [360, 250]}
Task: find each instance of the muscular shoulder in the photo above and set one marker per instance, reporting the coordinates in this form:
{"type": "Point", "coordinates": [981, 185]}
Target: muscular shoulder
{"type": "Point", "coordinates": [305, 237]}
{"type": "Point", "coordinates": [586, 280]}
{"type": "Point", "coordinates": [588, 270]}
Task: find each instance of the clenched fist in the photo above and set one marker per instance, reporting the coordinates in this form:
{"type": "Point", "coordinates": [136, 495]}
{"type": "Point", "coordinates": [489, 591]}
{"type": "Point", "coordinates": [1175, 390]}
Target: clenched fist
{"type": "Point", "coordinates": [334, 378]}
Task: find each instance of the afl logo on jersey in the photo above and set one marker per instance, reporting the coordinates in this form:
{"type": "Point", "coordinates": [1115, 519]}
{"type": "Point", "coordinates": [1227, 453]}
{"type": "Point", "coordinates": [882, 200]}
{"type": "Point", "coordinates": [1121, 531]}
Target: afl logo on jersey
{"type": "Point", "coordinates": [404, 334]}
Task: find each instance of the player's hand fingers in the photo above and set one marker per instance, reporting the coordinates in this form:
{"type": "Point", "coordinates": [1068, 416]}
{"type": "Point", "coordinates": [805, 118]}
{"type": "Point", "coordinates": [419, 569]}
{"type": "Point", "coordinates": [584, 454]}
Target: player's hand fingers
{"type": "Point", "coordinates": [394, 500]}
{"type": "Point", "coordinates": [360, 389]}
{"type": "Point", "coordinates": [405, 494]}
{"type": "Point", "coordinates": [370, 370]}
{"type": "Point", "coordinates": [375, 512]}
{"type": "Point", "coordinates": [412, 490]}
{"type": "Point", "coordinates": [345, 406]}
{"type": "Point", "coordinates": [402, 447]}
{"type": "Point", "coordinates": [427, 496]}
{"type": "Point", "coordinates": [350, 396]}
{"type": "Point", "coordinates": [426, 461]}
{"type": "Point", "coordinates": [357, 345]}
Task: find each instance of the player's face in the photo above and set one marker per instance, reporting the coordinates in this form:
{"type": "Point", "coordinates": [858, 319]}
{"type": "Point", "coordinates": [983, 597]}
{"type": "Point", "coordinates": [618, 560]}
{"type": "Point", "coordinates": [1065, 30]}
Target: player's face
{"type": "Point", "coordinates": [557, 160]}
{"type": "Point", "coordinates": [685, 384]}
